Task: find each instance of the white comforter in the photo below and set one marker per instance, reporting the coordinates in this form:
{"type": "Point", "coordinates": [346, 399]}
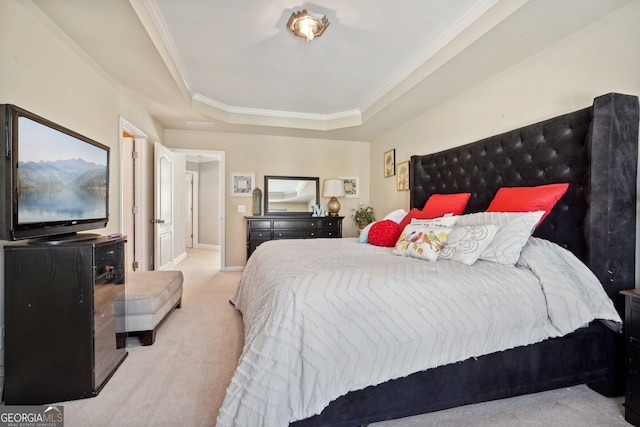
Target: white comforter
{"type": "Point", "coordinates": [327, 316]}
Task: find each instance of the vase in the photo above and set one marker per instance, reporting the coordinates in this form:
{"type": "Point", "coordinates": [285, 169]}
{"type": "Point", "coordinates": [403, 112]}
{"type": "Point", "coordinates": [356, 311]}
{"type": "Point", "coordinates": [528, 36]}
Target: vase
{"type": "Point", "coordinates": [361, 226]}
{"type": "Point", "coordinates": [257, 202]}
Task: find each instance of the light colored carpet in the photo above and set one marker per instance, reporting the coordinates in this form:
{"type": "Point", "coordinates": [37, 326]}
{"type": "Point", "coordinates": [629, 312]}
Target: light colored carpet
{"type": "Point", "coordinates": [181, 379]}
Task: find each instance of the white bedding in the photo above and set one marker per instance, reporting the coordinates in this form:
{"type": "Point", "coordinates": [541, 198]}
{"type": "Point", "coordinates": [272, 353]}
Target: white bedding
{"type": "Point", "coordinates": [327, 316]}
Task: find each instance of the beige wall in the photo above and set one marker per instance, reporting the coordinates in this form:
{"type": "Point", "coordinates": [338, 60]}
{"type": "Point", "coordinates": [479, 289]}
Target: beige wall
{"type": "Point", "coordinates": [42, 74]}
{"type": "Point", "coordinates": [601, 58]}
{"type": "Point", "coordinates": [208, 202]}
{"type": "Point", "coordinates": [268, 155]}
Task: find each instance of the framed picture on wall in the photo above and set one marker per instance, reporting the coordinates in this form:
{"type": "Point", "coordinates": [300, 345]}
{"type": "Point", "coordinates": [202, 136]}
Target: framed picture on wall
{"type": "Point", "coordinates": [242, 184]}
{"type": "Point", "coordinates": [402, 178]}
{"type": "Point", "coordinates": [390, 163]}
{"type": "Point", "coordinates": [351, 186]}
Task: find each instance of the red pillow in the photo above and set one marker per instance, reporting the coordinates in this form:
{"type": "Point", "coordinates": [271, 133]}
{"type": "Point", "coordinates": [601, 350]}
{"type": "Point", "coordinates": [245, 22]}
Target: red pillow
{"type": "Point", "coordinates": [384, 233]}
{"type": "Point", "coordinates": [438, 205]}
{"type": "Point", "coordinates": [441, 204]}
{"type": "Point", "coordinates": [528, 199]}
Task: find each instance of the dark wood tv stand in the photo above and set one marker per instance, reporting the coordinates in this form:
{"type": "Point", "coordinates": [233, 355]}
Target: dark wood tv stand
{"type": "Point", "coordinates": [60, 338]}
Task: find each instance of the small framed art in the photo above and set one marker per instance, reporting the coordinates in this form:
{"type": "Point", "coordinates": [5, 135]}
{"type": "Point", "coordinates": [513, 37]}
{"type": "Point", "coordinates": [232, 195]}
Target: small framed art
{"type": "Point", "coordinates": [242, 184]}
{"type": "Point", "coordinates": [402, 178]}
{"type": "Point", "coordinates": [390, 163]}
{"type": "Point", "coordinates": [351, 186]}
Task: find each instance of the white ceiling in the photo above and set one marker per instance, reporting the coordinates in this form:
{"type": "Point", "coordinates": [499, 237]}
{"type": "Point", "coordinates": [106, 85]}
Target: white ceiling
{"type": "Point", "coordinates": [234, 66]}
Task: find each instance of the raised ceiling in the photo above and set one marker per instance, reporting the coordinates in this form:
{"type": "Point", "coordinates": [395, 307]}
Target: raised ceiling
{"type": "Point", "coordinates": [233, 66]}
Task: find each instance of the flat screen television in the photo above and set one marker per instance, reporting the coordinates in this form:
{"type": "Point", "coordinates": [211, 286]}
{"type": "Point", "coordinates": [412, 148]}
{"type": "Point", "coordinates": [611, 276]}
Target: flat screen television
{"type": "Point", "coordinates": [56, 181]}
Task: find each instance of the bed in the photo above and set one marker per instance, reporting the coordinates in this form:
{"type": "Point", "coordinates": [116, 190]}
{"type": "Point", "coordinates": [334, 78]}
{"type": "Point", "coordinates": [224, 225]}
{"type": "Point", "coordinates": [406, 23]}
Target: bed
{"type": "Point", "coordinates": [593, 149]}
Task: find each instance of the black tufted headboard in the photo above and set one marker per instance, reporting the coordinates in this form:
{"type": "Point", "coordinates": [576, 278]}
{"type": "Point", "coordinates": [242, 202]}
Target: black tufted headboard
{"type": "Point", "coordinates": [595, 150]}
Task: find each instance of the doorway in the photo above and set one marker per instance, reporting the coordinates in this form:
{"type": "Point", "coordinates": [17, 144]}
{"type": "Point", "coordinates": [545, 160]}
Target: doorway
{"type": "Point", "coordinates": [204, 190]}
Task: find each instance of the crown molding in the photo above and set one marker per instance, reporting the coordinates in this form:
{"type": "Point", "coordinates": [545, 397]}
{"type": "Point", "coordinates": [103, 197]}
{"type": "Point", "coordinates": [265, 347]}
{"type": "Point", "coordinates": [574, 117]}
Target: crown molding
{"type": "Point", "coordinates": [275, 118]}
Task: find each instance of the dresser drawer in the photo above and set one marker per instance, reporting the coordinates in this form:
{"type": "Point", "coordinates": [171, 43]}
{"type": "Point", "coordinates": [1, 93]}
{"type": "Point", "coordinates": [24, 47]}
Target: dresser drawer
{"type": "Point", "coordinates": [330, 232]}
{"type": "Point", "coordinates": [331, 223]}
{"type": "Point", "coordinates": [261, 224]}
{"type": "Point", "coordinates": [296, 223]}
{"type": "Point", "coordinates": [295, 234]}
{"type": "Point", "coordinates": [260, 234]}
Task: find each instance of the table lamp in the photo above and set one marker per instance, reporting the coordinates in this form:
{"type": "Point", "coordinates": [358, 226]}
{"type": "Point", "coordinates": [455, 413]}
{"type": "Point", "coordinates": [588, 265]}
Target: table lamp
{"type": "Point", "coordinates": [333, 188]}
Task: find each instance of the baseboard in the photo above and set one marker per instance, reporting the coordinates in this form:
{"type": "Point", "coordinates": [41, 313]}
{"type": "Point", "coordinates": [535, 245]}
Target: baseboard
{"type": "Point", "coordinates": [180, 258]}
{"type": "Point", "coordinates": [207, 246]}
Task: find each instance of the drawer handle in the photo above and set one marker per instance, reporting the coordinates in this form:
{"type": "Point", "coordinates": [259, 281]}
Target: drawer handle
{"type": "Point", "coordinates": [313, 234]}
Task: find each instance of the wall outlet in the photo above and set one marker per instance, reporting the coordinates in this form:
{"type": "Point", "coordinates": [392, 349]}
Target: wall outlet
{"type": "Point", "coordinates": [242, 208]}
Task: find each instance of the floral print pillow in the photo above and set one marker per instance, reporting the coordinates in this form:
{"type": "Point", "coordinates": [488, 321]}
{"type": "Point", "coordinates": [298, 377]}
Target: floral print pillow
{"type": "Point", "coordinates": [424, 239]}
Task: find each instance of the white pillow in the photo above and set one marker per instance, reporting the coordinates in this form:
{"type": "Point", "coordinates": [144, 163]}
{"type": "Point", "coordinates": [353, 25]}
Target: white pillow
{"type": "Point", "coordinates": [424, 239]}
{"type": "Point", "coordinates": [515, 228]}
{"type": "Point", "coordinates": [364, 233]}
{"type": "Point", "coordinates": [396, 216]}
{"type": "Point", "coordinates": [465, 243]}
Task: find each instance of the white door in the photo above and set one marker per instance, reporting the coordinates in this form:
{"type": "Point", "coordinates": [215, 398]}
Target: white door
{"type": "Point", "coordinates": [188, 234]}
{"type": "Point", "coordinates": [163, 208]}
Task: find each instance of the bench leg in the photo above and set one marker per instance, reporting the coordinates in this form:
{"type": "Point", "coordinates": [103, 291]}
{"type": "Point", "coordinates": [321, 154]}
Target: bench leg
{"type": "Point", "coordinates": [121, 339]}
{"type": "Point", "coordinates": [147, 337]}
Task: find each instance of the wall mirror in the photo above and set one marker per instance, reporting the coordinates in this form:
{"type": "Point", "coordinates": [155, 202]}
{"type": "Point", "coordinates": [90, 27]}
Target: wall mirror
{"type": "Point", "coordinates": [291, 195]}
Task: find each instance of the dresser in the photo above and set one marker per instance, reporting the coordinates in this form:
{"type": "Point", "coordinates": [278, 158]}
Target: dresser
{"type": "Point", "coordinates": [263, 228]}
{"type": "Point", "coordinates": [632, 342]}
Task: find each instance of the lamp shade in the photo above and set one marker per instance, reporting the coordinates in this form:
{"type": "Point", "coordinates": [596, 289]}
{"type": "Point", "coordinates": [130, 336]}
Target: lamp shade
{"type": "Point", "coordinates": [333, 188]}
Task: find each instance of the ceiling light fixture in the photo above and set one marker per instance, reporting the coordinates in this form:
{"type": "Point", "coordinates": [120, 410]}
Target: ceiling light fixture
{"type": "Point", "coordinates": [307, 25]}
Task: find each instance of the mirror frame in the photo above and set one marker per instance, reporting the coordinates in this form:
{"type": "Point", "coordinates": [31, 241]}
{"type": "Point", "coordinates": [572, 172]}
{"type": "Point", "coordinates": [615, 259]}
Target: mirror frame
{"type": "Point", "coordinates": [295, 178]}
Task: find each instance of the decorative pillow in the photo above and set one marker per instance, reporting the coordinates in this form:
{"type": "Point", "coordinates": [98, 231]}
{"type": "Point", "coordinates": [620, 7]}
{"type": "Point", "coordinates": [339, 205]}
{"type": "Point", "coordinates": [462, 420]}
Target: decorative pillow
{"type": "Point", "coordinates": [514, 230]}
{"type": "Point", "coordinates": [364, 234]}
{"type": "Point", "coordinates": [384, 233]}
{"type": "Point", "coordinates": [528, 199]}
{"type": "Point", "coordinates": [415, 213]}
{"type": "Point", "coordinates": [465, 243]}
{"type": "Point", "coordinates": [441, 204]}
{"type": "Point", "coordinates": [396, 216]}
{"type": "Point", "coordinates": [424, 239]}
{"type": "Point", "coordinates": [437, 206]}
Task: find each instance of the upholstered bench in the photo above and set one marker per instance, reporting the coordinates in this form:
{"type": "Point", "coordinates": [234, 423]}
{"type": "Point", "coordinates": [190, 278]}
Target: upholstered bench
{"type": "Point", "coordinates": [146, 301]}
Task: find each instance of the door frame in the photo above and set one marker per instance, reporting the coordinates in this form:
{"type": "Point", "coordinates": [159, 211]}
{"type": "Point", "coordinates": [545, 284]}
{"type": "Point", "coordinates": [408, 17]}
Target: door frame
{"type": "Point", "coordinates": [141, 238]}
{"type": "Point", "coordinates": [220, 156]}
{"type": "Point", "coordinates": [194, 205]}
